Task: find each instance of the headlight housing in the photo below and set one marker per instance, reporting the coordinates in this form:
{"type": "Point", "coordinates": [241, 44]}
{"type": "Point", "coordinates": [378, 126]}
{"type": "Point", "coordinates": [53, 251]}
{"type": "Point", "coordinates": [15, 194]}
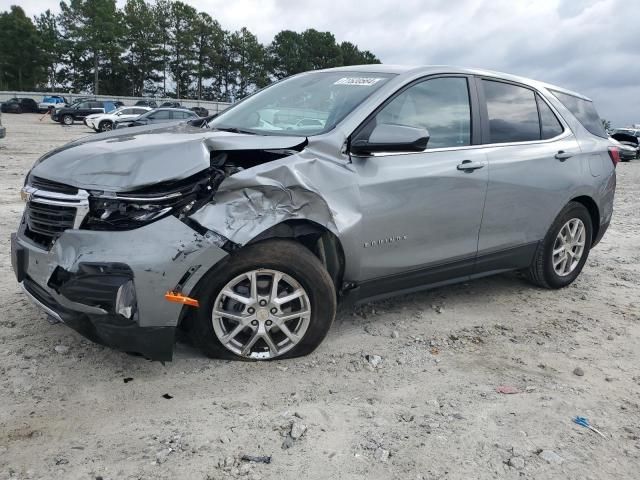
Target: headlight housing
{"type": "Point", "coordinates": [127, 211]}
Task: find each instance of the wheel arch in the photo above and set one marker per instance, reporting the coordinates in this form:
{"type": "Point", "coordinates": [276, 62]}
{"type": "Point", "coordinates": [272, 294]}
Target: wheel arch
{"type": "Point", "coordinates": [594, 212]}
{"type": "Point", "coordinates": [321, 241]}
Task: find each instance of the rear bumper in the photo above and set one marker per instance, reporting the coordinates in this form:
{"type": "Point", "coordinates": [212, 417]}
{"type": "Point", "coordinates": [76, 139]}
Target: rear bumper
{"type": "Point", "coordinates": [601, 231]}
{"type": "Point", "coordinates": [110, 286]}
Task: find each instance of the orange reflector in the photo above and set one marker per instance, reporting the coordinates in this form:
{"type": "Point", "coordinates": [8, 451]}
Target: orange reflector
{"type": "Point", "coordinates": [179, 298]}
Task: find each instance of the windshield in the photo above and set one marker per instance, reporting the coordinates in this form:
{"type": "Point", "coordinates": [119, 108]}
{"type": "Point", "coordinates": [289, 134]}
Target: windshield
{"type": "Point", "coordinates": [307, 104]}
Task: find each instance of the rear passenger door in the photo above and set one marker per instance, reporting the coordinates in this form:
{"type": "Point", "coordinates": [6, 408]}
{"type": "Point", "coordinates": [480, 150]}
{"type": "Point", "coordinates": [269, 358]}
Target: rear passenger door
{"type": "Point", "coordinates": [530, 151]}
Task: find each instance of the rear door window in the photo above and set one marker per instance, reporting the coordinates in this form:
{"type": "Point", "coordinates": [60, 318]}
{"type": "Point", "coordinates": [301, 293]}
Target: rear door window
{"type": "Point", "coordinates": [584, 111]}
{"type": "Point", "coordinates": [512, 113]}
{"type": "Point", "coordinates": [160, 115]}
{"type": "Point", "coordinates": [550, 126]}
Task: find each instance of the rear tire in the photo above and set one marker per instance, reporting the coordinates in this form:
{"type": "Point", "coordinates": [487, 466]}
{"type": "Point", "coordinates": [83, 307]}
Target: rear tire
{"type": "Point", "coordinates": [258, 312]}
{"type": "Point", "coordinates": [560, 257]}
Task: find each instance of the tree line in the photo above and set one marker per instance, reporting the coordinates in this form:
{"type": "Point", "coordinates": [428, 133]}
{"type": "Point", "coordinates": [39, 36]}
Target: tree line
{"type": "Point", "coordinates": [161, 48]}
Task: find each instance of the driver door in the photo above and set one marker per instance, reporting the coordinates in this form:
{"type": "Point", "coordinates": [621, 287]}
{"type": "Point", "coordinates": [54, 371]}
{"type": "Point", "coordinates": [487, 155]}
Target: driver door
{"type": "Point", "coordinates": [422, 210]}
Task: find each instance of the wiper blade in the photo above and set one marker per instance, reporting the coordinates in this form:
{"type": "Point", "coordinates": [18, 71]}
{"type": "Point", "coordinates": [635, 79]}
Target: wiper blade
{"type": "Point", "coordinates": [234, 130]}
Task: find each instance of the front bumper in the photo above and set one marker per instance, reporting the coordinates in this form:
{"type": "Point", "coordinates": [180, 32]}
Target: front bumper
{"type": "Point", "coordinates": [78, 279]}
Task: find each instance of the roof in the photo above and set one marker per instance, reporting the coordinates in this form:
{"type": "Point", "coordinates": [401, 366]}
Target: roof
{"type": "Point", "coordinates": [436, 69]}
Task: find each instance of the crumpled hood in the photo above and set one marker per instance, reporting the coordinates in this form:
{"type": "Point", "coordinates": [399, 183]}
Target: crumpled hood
{"type": "Point", "coordinates": [125, 160]}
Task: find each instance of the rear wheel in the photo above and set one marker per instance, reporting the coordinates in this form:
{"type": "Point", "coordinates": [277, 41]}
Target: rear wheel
{"type": "Point", "coordinates": [562, 254]}
{"type": "Point", "coordinates": [273, 299]}
{"type": "Point", "coordinates": [67, 119]}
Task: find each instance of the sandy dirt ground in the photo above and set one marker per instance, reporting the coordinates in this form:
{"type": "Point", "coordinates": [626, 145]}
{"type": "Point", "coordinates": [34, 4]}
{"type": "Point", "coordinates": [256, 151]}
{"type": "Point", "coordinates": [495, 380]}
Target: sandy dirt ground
{"type": "Point", "coordinates": [400, 389]}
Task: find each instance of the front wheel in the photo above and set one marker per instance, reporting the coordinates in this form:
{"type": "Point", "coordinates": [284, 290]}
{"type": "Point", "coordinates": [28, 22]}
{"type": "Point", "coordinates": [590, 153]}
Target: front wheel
{"type": "Point", "coordinates": [67, 119]}
{"type": "Point", "coordinates": [560, 257]}
{"type": "Point", "coordinates": [105, 126]}
{"type": "Point", "coordinates": [273, 299]}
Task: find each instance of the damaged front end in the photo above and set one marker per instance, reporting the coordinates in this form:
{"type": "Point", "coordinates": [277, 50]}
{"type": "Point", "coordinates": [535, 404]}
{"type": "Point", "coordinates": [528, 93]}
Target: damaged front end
{"type": "Point", "coordinates": [104, 260]}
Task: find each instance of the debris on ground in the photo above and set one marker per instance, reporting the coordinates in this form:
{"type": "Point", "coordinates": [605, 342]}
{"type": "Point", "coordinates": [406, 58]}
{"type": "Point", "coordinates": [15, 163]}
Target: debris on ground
{"type": "Point", "coordinates": [583, 422]}
{"type": "Point", "coordinates": [256, 459]}
{"type": "Point", "coordinates": [551, 457]}
{"type": "Point", "coordinates": [507, 389]}
{"type": "Point", "coordinates": [374, 360]}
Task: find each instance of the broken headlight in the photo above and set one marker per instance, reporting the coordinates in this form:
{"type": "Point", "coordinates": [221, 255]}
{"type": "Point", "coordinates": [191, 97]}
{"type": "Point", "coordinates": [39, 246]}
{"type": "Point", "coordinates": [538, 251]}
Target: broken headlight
{"type": "Point", "coordinates": [126, 211]}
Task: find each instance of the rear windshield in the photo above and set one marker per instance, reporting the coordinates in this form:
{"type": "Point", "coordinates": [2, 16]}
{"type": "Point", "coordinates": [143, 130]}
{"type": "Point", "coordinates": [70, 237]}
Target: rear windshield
{"type": "Point", "coordinates": [584, 111]}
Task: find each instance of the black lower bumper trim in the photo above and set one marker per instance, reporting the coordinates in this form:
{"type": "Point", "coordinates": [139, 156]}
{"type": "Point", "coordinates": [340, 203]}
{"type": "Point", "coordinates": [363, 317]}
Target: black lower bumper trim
{"type": "Point", "coordinates": [114, 331]}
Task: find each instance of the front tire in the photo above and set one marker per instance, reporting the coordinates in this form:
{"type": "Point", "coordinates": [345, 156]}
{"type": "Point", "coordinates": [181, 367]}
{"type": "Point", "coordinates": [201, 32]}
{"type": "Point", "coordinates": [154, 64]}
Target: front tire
{"type": "Point", "coordinates": [105, 126]}
{"type": "Point", "coordinates": [270, 300]}
{"type": "Point", "coordinates": [67, 119]}
{"type": "Point", "coordinates": [560, 257]}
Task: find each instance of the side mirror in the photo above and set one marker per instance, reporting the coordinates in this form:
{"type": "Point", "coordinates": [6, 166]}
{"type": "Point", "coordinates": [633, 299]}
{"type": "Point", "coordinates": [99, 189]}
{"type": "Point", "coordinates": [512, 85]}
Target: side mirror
{"type": "Point", "coordinates": [387, 137]}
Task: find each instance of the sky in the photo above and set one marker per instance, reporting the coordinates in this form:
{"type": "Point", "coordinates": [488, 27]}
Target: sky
{"type": "Point", "coordinates": [590, 46]}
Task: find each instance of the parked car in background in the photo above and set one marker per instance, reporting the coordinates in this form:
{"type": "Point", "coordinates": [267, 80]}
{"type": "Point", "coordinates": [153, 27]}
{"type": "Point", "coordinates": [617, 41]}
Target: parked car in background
{"type": "Point", "coordinates": [246, 235]}
{"type": "Point", "coordinates": [171, 104]}
{"type": "Point", "coordinates": [629, 145]}
{"type": "Point", "coordinates": [3, 131]}
{"type": "Point", "coordinates": [19, 105]}
{"type": "Point", "coordinates": [78, 111]}
{"type": "Point", "coordinates": [628, 130]}
{"type": "Point", "coordinates": [103, 122]}
{"type": "Point", "coordinates": [53, 101]}
{"type": "Point", "coordinates": [146, 103]}
{"type": "Point", "coordinates": [627, 153]}
{"type": "Point", "coordinates": [200, 111]}
{"type": "Point", "coordinates": [159, 115]}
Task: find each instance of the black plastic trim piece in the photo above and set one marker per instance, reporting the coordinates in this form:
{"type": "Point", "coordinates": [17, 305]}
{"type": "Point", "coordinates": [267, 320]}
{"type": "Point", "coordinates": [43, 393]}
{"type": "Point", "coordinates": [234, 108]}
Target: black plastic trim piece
{"type": "Point", "coordinates": [507, 259]}
{"type": "Point", "coordinates": [114, 331]}
{"type": "Point", "coordinates": [439, 275]}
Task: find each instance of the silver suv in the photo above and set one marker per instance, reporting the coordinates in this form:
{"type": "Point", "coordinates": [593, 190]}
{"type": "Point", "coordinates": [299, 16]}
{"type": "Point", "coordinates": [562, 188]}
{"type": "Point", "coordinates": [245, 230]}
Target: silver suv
{"type": "Point", "coordinates": [342, 185]}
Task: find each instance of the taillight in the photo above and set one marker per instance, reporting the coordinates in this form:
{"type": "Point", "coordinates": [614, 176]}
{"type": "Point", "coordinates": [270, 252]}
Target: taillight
{"type": "Point", "coordinates": [614, 154]}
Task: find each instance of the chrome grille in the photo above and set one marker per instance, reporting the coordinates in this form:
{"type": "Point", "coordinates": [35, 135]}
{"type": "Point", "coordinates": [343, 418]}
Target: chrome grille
{"type": "Point", "coordinates": [49, 220]}
{"type": "Point", "coordinates": [49, 213]}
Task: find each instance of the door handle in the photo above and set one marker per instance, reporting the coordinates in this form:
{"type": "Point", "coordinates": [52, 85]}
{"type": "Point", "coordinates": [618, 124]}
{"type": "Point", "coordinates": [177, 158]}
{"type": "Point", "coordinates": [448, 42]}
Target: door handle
{"type": "Point", "coordinates": [562, 155]}
{"type": "Point", "coordinates": [468, 165]}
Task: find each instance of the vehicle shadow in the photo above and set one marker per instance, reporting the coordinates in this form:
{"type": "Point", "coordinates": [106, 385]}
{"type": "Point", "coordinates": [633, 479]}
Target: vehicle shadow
{"type": "Point", "coordinates": [351, 317]}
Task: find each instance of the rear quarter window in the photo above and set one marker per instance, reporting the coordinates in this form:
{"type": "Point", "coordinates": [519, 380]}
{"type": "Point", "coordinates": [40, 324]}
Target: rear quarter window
{"type": "Point", "coordinates": [584, 111]}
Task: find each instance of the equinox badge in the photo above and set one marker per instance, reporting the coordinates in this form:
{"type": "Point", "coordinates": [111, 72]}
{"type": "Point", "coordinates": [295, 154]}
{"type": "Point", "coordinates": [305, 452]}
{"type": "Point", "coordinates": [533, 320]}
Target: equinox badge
{"type": "Point", "coordinates": [384, 241]}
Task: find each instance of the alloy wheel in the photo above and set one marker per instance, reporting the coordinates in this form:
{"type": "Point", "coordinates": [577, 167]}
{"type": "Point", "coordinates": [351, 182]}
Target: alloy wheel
{"type": "Point", "coordinates": [568, 247]}
{"type": "Point", "coordinates": [261, 314]}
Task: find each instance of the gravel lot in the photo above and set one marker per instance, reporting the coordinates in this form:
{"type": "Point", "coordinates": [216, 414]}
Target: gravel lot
{"type": "Point", "coordinates": [426, 408]}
